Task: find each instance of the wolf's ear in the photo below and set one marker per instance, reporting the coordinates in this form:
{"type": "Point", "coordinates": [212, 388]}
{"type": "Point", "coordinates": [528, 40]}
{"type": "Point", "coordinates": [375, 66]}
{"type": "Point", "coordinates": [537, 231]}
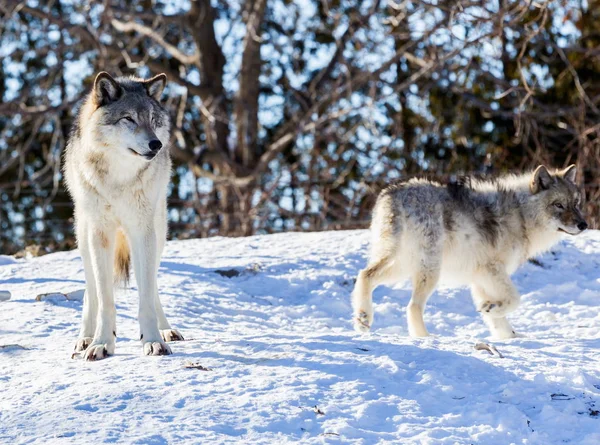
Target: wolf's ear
{"type": "Point", "coordinates": [156, 85]}
{"type": "Point", "coordinates": [541, 180]}
{"type": "Point", "coordinates": [569, 173]}
{"type": "Point", "coordinates": [106, 89]}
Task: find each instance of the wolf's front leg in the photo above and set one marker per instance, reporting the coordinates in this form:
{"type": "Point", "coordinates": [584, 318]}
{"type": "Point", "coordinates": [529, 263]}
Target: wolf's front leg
{"type": "Point", "coordinates": [500, 328]}
{"type": "Point", "coordinates": [500, 296]}
{"type": "Point", "coordinates": [88, 319]}
{"type": "Point", "coordinates": [144, 255]}
{"type": "Point", "coordinates": [90, 298]}
{"type": "Point", "coordinates": [101, 243]}
{"type": "Point", "coordinates": [495, 297]}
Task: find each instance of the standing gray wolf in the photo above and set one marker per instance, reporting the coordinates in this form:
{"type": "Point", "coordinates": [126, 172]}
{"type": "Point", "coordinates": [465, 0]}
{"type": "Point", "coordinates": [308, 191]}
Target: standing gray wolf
{"type": "Point", "coordinates": [117, 169]}
{"type": "Point", "coordinates": [470, 232]}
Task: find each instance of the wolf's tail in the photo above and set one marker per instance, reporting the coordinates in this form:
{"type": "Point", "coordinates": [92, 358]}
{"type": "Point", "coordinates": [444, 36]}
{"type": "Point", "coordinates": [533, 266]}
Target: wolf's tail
{"type": "Point", "coordinates": [122, 259]}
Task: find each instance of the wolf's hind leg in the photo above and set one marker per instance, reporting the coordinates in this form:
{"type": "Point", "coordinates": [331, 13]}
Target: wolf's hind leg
{"type": "Point", "coordinates": [368, 279]}
{"type": "Point", "coordinates": [424, 283]}
{"type": "Point", "coordinates": [382, 266]}
{"type": "Point", "coordinates": [166, 331]}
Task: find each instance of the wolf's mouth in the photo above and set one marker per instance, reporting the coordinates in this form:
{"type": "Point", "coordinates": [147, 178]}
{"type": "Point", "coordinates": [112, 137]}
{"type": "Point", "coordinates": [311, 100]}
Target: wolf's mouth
{"type": "Point", "coordinates": [147, 157]}
{"type": "Point", "coordinates": [569, 233]}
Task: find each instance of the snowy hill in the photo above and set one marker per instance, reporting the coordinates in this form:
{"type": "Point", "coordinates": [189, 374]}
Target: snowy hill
{"type": "Point", "coordinates": [268, 317]}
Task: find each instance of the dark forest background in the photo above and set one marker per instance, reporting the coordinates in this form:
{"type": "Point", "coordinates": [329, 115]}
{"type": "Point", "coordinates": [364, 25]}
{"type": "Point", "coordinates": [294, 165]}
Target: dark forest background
{"type": "Point", "coordinates": [292, 114]}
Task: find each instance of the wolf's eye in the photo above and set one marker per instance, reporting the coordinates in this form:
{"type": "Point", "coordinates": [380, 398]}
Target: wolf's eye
{"type": "Point", "coordinates": [128, 119]}
{"type": "Point", "coordinates": [558, 205]}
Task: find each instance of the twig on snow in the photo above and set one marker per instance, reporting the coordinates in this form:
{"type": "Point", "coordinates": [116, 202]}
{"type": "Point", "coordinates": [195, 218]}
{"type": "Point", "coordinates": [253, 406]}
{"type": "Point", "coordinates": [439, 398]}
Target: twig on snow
{"type": "Point", "coordinates": [190, 365]}
{"type": "Point", "coordinates": [489, 348]}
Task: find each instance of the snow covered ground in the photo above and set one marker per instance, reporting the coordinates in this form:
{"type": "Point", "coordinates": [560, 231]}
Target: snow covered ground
{"type": "Point", "coordinates": [283, 365]}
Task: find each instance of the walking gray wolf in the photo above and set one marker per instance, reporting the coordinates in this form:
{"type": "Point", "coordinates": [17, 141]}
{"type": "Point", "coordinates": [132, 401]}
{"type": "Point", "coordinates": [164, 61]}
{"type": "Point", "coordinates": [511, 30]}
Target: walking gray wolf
{"type": "Point", "coordinates": [471, 232]}
{"type": "Point", "coordinates": [117, 169]}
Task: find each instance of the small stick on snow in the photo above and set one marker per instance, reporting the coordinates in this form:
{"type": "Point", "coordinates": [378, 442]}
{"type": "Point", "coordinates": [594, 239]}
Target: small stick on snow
{"type": "Point", "coordinates": [489, 348]}
{"type": "Point", "coordinates": [190, 365]}
{"type": "Point", "coordinates": [4, 295]}
{"type": "Point", "coordinates": [561, 397]}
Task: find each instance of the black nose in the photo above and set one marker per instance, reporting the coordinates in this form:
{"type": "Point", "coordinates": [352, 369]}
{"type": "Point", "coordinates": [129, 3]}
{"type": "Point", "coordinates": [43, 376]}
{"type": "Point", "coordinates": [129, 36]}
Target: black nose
{"type": "Point", "coordinates": [582, 226]}
{"type": "Point", "coordinates": [155, 145]}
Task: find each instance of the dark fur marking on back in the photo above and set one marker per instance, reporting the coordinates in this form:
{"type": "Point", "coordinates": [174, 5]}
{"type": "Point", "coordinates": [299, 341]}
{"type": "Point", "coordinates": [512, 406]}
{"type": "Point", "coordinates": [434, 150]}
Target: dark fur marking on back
{"type": "Point", "coordinates": [449, 221]}
{"type": "Point", "coordinates": [483, 211]}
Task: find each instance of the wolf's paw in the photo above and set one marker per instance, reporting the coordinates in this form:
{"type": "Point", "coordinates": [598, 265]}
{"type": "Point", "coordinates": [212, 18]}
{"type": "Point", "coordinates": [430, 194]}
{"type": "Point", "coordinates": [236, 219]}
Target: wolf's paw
{"type": "Point", "coordinates": [83, 343]}
{"type": "Point", "coordinates": [171, 335]}
{"type": "Point", "coordinates": [156, 348]}
{"type": "Point", "coordinates": [98, 351]}
{"type": "Point", "coordinates": [362, 322]}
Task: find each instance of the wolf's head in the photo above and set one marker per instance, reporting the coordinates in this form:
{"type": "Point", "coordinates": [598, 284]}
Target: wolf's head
{"type": "Point", "coordinates": [559, 199]}
{"type": "Point", "coordinates": [128, 116]}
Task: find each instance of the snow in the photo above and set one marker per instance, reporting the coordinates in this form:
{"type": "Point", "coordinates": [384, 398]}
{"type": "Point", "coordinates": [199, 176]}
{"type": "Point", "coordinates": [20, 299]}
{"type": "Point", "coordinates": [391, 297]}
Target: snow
{"type": "Point", "coordinates": [284, 365]}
